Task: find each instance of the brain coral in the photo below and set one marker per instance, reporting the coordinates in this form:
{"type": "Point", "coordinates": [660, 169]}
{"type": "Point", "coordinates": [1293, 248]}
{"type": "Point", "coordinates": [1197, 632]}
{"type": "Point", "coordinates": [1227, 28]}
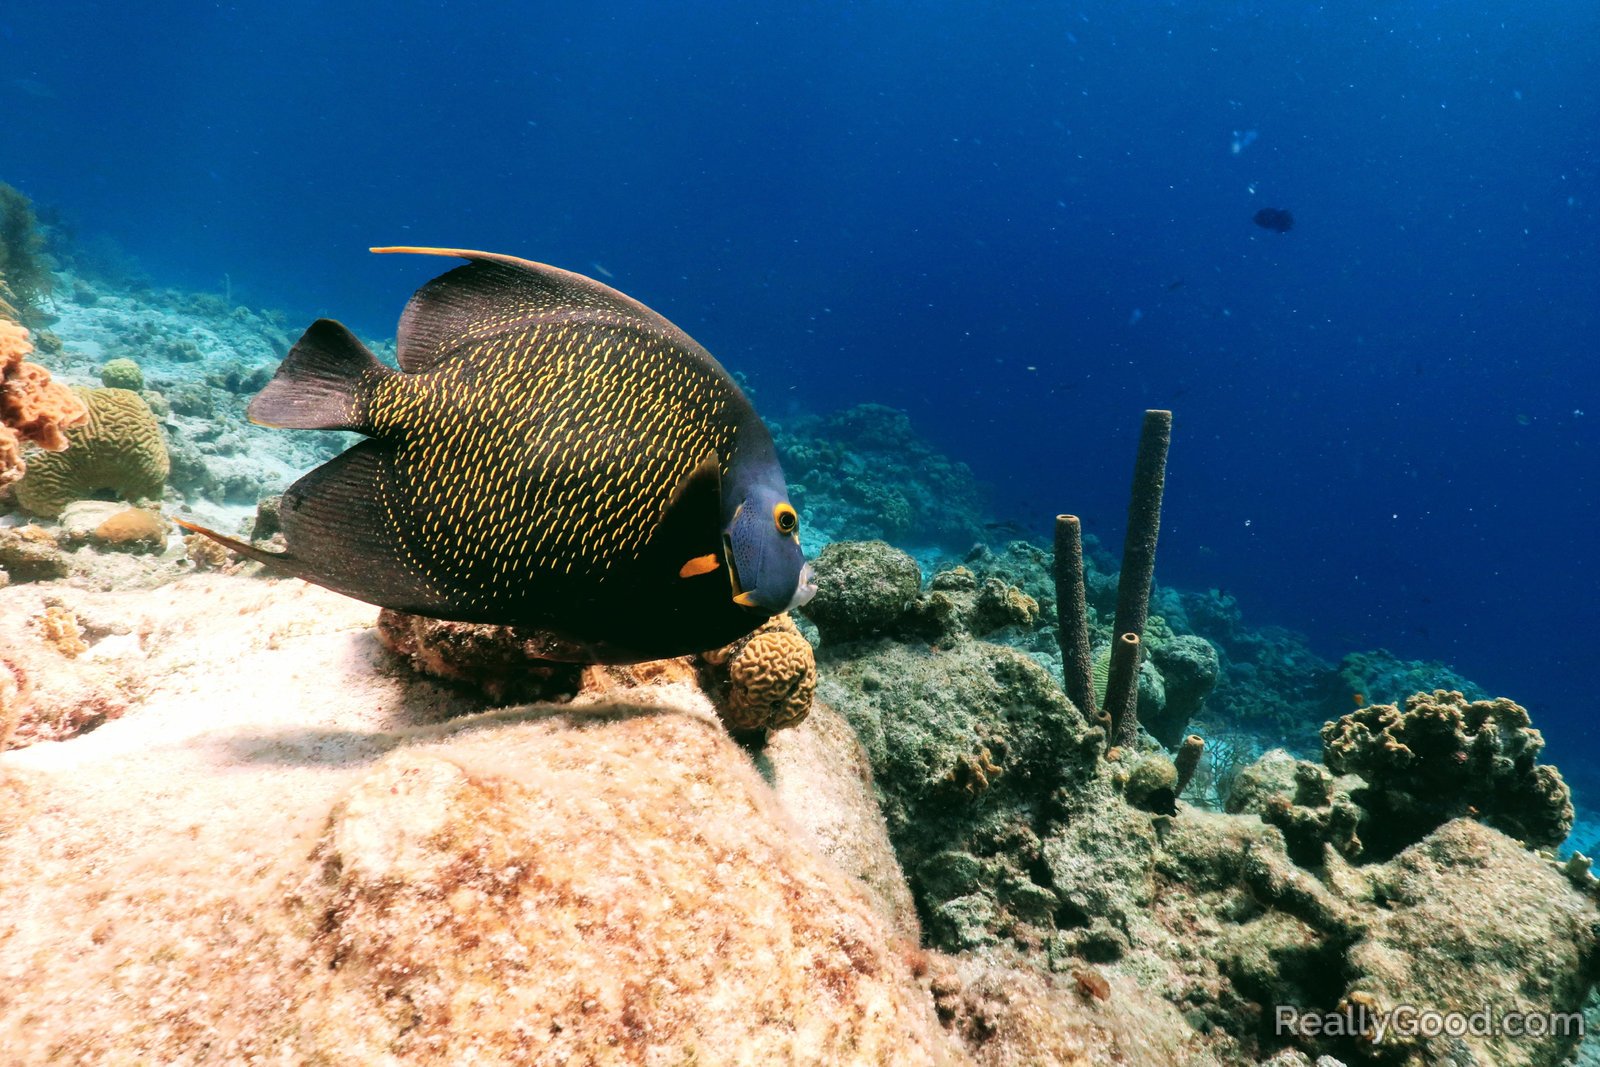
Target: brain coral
{"type": "Point", "coordinates": [770, 678]}
{"type": "Point", "coordinates": [1442, 758]}
{"type": "Point", "coordinates": [32, 407]}
{"type": "Point", "coordinates": [120, 449]}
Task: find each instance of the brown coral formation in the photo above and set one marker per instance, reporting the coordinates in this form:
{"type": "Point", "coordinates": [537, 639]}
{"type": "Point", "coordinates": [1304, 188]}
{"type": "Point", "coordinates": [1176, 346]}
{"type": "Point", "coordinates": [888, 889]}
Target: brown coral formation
{"type": "Point", "coordinates": [495, 660]}
{"type": "Point", "coordinates": [1445, 757]}
{"type": "Point", "coordinates": [61, 631]}
{"type": "Point", "coordinates": [32, 407]}
{"type": "Point", "coordinates": [133, 530]}
{"type": "Point", "coordinates": [764, 681]}
{"type": "Point", "coordinates": [120, 448]}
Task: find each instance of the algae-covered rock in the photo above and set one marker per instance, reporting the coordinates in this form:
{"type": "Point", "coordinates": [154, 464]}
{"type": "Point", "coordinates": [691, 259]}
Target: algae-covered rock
{"type": "Point", "coordinates": [968, 744]}
{"type": "Point", "coordinates": [1303, 800]}
{"type": "Point", "coordinates": [1472, 924]}
{"type": "Point", "coordinates": [31, 554]}
{"type": "Point", "coordinates": [863, 588]}
{"type": "Point", "coordinates": [1189, 668]}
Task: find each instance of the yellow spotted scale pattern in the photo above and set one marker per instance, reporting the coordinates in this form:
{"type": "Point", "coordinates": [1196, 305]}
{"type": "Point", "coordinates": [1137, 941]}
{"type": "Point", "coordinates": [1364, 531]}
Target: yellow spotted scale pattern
{"type": "Point", "coordinates": [546, 454]}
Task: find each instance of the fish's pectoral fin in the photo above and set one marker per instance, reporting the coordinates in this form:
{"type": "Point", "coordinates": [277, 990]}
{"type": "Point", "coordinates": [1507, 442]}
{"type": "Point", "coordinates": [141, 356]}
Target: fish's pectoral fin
{"type": "Point", "coordinates": [233, 544]}
{"type": "Point", "coordinates": [322, 383]}
{"type": "Point", "coordinates": [690, 526]}
{"type": "Point", "coordinates": [700, 565]}
{"type": "Point", "coordinates": [746, 600]}
{"type": "Point", "coordinates": [493, 293]}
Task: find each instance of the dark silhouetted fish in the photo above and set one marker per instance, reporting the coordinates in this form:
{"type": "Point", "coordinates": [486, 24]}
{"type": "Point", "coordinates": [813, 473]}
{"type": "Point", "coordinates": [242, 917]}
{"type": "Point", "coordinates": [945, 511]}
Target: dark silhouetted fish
{"type": "Point", "coordinates": [551, 455]}
{"type": "Point", "coordinates": [1275, 219]}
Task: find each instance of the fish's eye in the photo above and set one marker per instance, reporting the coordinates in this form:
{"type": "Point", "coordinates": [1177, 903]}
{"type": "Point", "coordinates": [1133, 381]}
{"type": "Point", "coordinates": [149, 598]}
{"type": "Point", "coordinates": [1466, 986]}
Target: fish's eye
{"type": "Point", "coordinates": [785, 518]}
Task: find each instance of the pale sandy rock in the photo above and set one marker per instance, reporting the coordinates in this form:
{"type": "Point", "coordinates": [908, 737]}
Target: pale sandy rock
{"type": "Point", "coordinates": [823, 779]}
{"type": "Point", "coordinates": [289, 851]}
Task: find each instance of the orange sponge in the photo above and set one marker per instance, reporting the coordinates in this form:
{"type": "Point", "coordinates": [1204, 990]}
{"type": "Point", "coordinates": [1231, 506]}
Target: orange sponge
{"type": "Point", "coordinates": [32, 407]}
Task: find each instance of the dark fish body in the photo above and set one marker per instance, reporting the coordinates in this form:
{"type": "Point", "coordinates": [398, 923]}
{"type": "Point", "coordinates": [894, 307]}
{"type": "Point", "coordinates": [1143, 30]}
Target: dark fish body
{"type": "Point", "coordinates": [551, 455]}
{"type": "Point", "coordinates": [1275, 219]}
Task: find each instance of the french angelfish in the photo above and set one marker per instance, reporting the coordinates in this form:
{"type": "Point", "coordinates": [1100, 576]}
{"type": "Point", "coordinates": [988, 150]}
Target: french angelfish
{"type": "Point", "coordinates": [551, 455]}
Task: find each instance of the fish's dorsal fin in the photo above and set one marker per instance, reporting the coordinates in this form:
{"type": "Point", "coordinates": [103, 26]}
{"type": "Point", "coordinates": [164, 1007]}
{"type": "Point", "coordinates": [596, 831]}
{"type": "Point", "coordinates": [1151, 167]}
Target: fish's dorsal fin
{"type": "Point", "coordinates": [493, 293]}
{"type": "Point", "coordinates": [322, 384]}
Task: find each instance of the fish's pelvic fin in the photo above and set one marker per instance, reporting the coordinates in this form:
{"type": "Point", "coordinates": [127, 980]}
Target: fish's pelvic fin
{"type": "Point", "coordinates": [322, 383]}
{"type": "Point", "coordinates": [281, 560]}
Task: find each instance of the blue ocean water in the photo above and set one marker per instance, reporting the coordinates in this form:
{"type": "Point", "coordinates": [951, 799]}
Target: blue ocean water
{"type": "Point", "coordinates": [1023, 223]}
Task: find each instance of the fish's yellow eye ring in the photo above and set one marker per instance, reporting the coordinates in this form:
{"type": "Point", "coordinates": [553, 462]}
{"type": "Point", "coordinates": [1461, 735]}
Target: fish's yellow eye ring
{"type": "Point", "coordinates": [784, 517]}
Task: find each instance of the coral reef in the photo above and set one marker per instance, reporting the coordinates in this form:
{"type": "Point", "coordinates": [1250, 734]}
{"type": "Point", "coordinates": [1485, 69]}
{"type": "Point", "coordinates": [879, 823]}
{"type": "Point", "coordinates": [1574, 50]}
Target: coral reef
{"type": "Point", "coordinates": [1189, 669]}
{"type": "Point", "coordinates": [119, 449]}
{"type": "Point", "coordinates": [33, 408]}
{"type": "Point", "coordinates": [1445, 757]}
{"type": "Point", "coordinates": [1381, 677]}
{"type": "Point", "coordinates": [765, 680]}
{"type": "Point", "coordinates": [864, 473]}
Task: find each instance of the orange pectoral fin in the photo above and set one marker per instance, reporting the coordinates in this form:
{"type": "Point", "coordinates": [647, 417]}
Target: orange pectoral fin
{"type": "Point", "coordinates": [698, 566]}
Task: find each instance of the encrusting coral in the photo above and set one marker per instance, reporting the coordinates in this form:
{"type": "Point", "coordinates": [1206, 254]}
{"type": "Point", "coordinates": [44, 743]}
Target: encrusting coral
{"type": "Point", "coordinates": [32, 407]}
{"type": "Point", "coordinates": [1444, 757]}
{"type": "Point", "coordinates": [120, 448]}
{"type": "Point", "coordinates": [765, 680]}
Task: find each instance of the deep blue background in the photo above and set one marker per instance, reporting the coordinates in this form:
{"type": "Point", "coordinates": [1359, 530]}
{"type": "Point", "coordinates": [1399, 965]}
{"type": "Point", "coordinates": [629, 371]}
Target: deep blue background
{"type": "Point", "coordinates": [981, 213]}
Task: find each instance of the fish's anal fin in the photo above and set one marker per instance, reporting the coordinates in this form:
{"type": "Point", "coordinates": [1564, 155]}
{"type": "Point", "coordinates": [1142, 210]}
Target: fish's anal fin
{"type": "Point", "coordinates": [322, 383]}
{"type": "Point", "coordinates": [272, 559]}
{"type": "Point", "coordinates": [494, 292]}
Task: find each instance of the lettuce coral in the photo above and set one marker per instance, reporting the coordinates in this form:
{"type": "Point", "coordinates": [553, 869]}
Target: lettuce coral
{"type": "Point", "coordinates": [32, 407]}
{"type": "Point", "coordinates": [1444, 757]}
{"type": "Point", "coordinates": [120, 448]}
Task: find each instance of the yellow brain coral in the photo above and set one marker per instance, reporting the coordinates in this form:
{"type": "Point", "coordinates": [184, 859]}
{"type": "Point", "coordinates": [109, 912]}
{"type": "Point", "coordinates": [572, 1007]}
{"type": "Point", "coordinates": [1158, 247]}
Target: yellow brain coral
{"type": "Point", "coordinates": [32, 407]}
{"type": "Point", "coordinates": [771, 676]}
{"type": "Point", "coordinates": [119, 449]}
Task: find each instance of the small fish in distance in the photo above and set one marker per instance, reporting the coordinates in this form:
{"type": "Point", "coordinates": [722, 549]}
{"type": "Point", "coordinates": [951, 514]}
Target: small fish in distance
{"type": "Point", "coordinates": [551, 455]}
{"type": "Point", "coordinates": [1275, 219]}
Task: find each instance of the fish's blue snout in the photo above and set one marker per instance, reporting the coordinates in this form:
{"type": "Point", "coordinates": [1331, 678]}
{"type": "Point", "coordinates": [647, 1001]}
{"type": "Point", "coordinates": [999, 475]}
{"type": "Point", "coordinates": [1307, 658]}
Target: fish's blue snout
{"type": "Point", "coordinates": [770, 571]}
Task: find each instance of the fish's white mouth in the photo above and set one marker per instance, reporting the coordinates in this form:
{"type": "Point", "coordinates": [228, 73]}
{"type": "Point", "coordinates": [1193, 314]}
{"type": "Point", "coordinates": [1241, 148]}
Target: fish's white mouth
{"type": "Point", "coordinates": [804, 591]}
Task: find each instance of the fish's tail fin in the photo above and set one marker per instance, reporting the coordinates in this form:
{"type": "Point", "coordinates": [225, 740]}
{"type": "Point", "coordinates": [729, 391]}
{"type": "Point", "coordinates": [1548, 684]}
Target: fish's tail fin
{"type": "Point", "coordinates": [322, 384]}
{"type": "Point", "coordinates": [281, 560]}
